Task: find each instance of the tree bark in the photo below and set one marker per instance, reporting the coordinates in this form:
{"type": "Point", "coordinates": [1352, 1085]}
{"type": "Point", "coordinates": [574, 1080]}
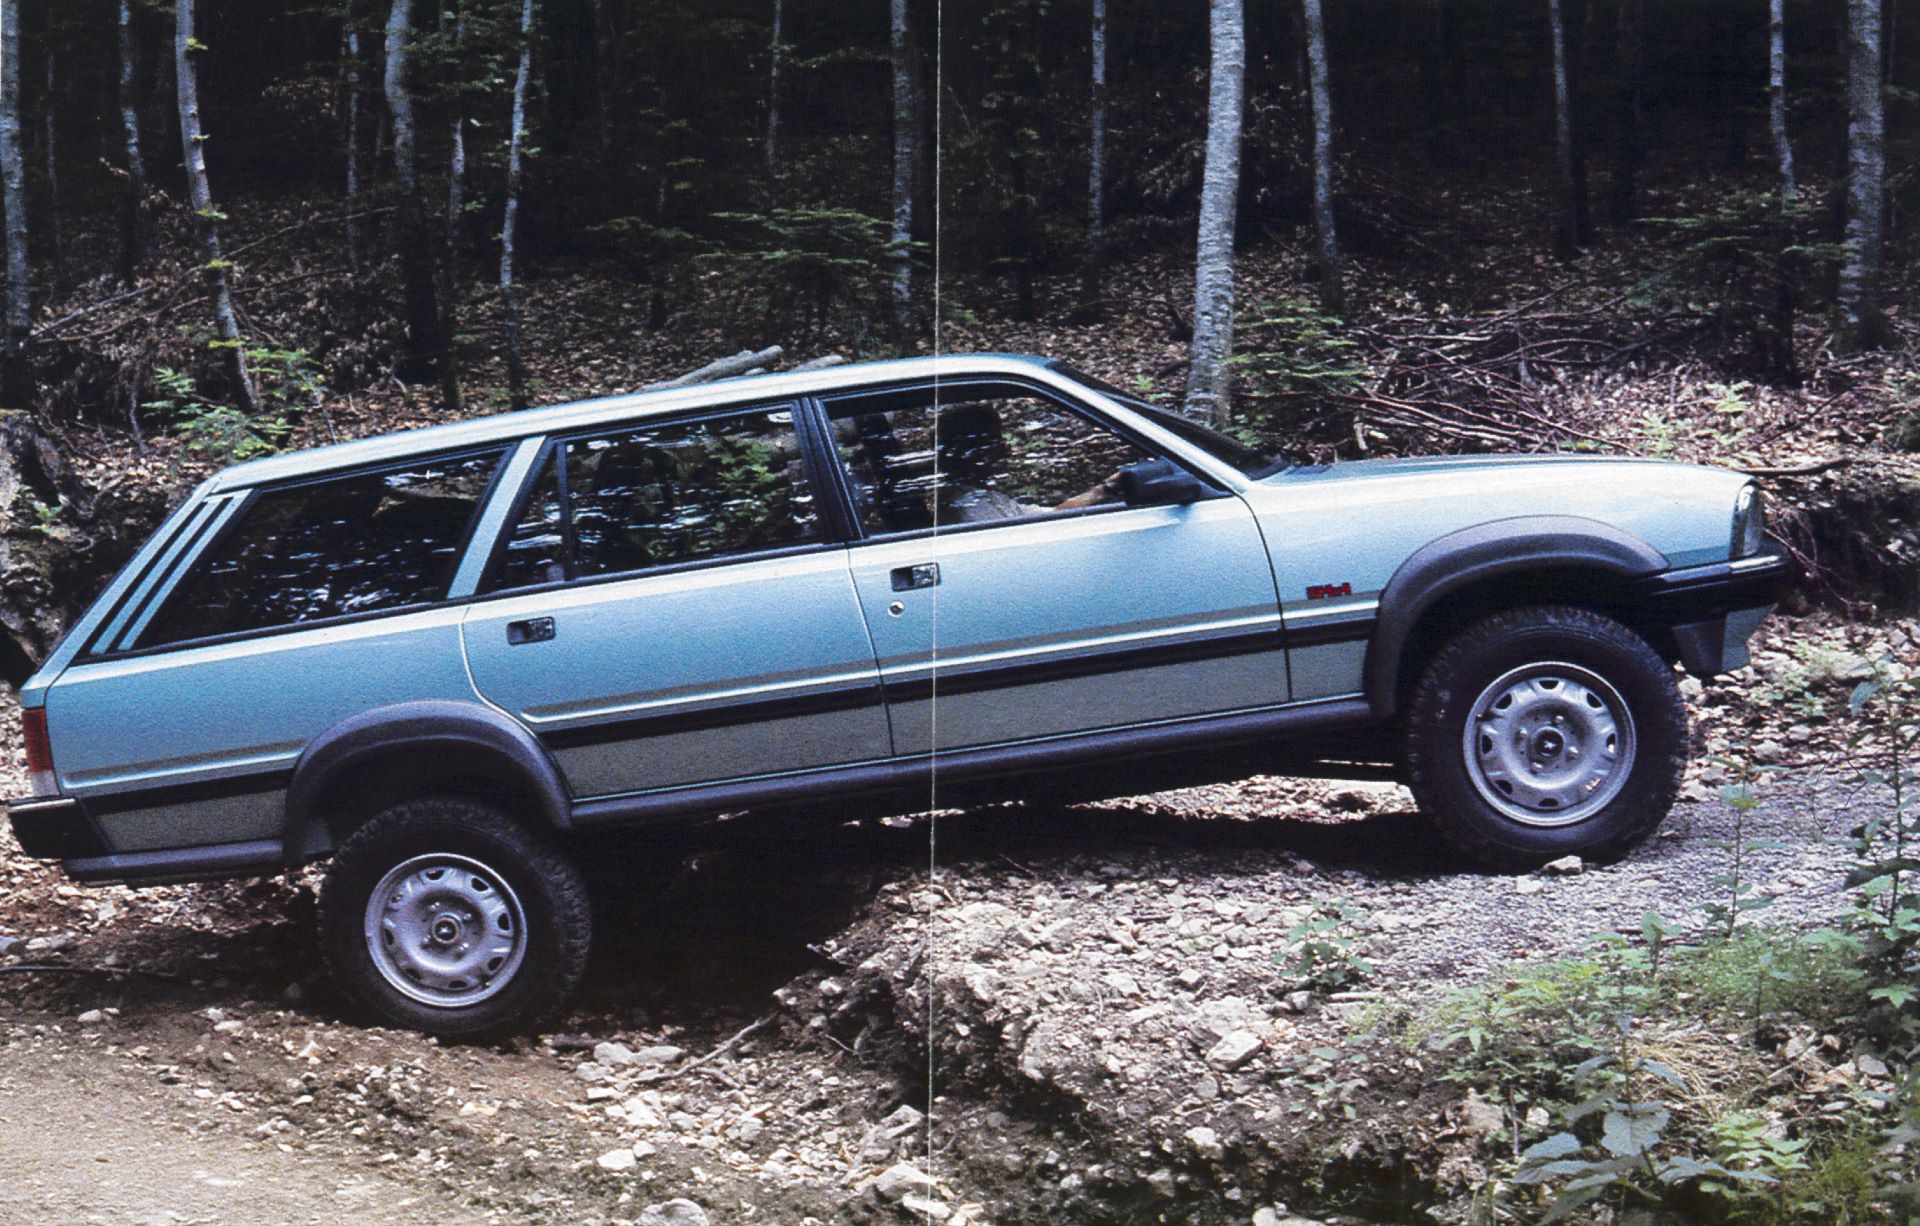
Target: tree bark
{"type": "Point", "coordinates": [425, 345]}
{"type": "Point", "coordinates": [510, 224]}
{"type": "Point", "coordinates": [1622, 195]}
{"type": "Point", "coordinates": [1783, 303]}
{"type": "Point", "coordinates": [16, 372]}
{"type": "Point", "coordinates": [50, 163]}
{"type": "Point", "coordinates": [207, 218]}
{"type": "Point", "coordinates": [1209, 379]}
{"type": "Point", "coordinates": [1091, 292]}
{"type": "Point", "coordinates": [356, 144]}
{"type": "Point", "coordinates": [775, 53]}
{"type": "Point", "coordinates": [1862, 325]}
{"type": "Point", "coordinates": [1566, 229]}
{"type": "Point", "coordinates": [133, 217]}
{"type": "Point", "coordinates": [904, 132]}
{"type": "Point", "coordinates": [1333, 295]}
{"type": "Point", "coordinates": [456, 205]}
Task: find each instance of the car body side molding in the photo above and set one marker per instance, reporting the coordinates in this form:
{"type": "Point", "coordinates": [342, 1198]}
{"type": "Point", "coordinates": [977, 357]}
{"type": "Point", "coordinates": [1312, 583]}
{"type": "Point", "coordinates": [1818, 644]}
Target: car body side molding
{"type": "Point", "coordinates": [1486, 551]}
{"type": "Point", "coordinates": [419, 730]}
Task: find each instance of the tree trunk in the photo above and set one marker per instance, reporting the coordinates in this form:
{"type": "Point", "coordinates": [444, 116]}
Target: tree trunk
{"type": "Point", "coordinates": [1566, 229]}
{"type": "Point", "coordinates": [425, 346]}
{"type": "Point", "coordinates": [1862, 325]}
{"type": "Point", "coordinates": [605, 73]}
{"type": "Point", "coordinates": [1333, 295]}
{"type": "Point", "coordinates": [1622, 205]}
{"type": "Point", "coordinates": [133, 217]}
{"type": "Point", "coordinates": [1091, 292]}
{"type": "Point", "coordinates": [904, 132]}
{"type": "Point", "coordinates": [775, 52]}
{"type": "Point", "coordinates": [456, 205]}
{"type": "Point", "coordinates": [1783, 303]}
{"type": "Point", "coordinates": [356, 145]}
{"type": "Point", "coordinates": [1209, 379]}
{"type": "Point", "coordinates": [207, 218]}
{"type": "Point", "coordinates": [510, 224]}
{"type": "Point", "coordinates": [50, 162]}
{"type": "Point", "coordinates": [16, 371]}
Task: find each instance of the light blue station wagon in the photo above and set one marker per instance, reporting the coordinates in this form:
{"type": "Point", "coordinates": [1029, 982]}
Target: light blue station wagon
{"type": "Point", "coordinates": [437, 656]}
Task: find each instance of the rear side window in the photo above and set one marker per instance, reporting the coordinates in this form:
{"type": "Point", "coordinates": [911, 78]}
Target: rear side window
{"type": "Point", "coordinates": [662, 495]}
{"type": "Point", "coordinates": [360, 544]}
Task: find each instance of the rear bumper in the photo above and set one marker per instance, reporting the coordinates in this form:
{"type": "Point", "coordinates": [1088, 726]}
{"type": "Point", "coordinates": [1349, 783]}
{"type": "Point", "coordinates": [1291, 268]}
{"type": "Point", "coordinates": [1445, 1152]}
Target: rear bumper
{"type": "Point", "coordinates": [60, 828]}
{"type": "Point", "coordinates": [1712, 611]}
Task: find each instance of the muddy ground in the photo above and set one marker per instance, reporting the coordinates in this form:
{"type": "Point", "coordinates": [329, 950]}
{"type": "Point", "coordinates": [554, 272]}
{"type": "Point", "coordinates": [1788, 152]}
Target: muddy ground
{"type": "Point", "coordinates": [1093, 993]}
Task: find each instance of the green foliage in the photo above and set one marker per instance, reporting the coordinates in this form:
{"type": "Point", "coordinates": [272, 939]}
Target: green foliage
{"type": "Point", "coordinates": [1739, 897]}
{"type": "Point", "coordinates": [1295, 358]}
{"type": "Point", "coordinates": [1886, 871]}
{"type": "Point", "coordinates": [1322, 950]}
{"type": "Point", "coordinates": [286, 384]}
{"type": "Point", "coordinates": [797, 266]}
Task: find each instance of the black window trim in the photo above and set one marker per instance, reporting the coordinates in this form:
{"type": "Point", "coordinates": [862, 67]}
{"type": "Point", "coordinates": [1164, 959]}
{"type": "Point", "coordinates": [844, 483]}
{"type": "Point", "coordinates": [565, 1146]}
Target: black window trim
{"type": "Point", "coordinates": [856, 531]}
{"type": "Point", "coordinates": [555, 449]}
{"type": "Point", "coordinates": [194, 524]}
{"type": "Point", "coordinates": [250, 496]}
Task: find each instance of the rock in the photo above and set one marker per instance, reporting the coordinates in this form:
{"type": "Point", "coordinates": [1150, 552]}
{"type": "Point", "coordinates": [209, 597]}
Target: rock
{"type": "Point", "coordinates": [11, 947]}
{"type": "Point", "coordinates": [1480, 1118]}
{"type": "Point", "coordinates": [1205, 1142]}
{"type": "Point", "coordinates": [592, 1072]}
{"type": "Point", "coordinates": [1299, 1000]}
{"type": "Point", "coordinates": [92, 1017]}
{"type": "Point", "coordinates": [676, 1212]}
{"type": "Point", "coordinates": [883, 1140]}
{"type": "Point", "coordinates": [901, 1180]}
{"type": "Point", "coordinates": [1280, 1217]}
{"type": "Point", "coordinates": [617, 1160]}
{"type": "Point", "coordinates": [1528, 885]}
{"type": "Point", "coordinates": [1870, 1066]}
{"type": "Point", "coordinates": [1162, 1181]}
{"type": "Point", "coordinates": [926, 1208]}
{"type": "Point", "coordinates": [664, 1053]}
{"type": "Point", "coordinates": [746, 1130]}
{"type": "Point", "coordinates": [1234, 1050]}
{"type": "Point", "coordinates": [612, 1054]}
{"type": "Point", "coordinates": [1191, 978]}
{"type": "Point", "coordinates": [1565, 866]}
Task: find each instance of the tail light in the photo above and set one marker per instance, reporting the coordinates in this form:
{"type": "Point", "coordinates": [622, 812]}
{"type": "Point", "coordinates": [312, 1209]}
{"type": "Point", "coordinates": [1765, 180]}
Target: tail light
{"type": "Point", "coordinates": [40, 775]}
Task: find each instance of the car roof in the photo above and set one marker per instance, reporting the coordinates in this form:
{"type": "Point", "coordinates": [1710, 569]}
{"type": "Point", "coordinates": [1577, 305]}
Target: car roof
{"type": "Point", "coordinates": [506, 427]}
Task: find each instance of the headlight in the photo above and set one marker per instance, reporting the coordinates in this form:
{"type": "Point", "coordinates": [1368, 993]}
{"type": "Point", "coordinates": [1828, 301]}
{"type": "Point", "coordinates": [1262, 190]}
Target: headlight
{"type": "Point", "coordinates": [1749, 523]}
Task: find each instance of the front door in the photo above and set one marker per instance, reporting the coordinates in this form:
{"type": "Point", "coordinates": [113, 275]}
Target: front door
{"type": "Point", "coordinates": [1014, 593]}
{"type": "Point", "coordinates": [669, 609]}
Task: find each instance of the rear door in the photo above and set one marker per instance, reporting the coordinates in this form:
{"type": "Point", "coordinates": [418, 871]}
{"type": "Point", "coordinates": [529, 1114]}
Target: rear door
{"type": "Point", "coordinates": [669, 608]}
{"type": "Point", "coordinates": [1012, 591]}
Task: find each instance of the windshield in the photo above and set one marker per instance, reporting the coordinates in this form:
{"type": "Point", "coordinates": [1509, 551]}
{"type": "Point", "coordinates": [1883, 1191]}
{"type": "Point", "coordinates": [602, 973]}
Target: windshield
{"type": "Point", "coordinates": [1255, 461]}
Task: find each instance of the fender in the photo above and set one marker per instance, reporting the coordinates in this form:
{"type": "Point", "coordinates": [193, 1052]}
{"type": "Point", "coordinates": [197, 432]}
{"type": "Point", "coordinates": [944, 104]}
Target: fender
{"type": "Point", "coordinates": [1485, 551]}
{"type": "Point", "coordinates": [421, 730]}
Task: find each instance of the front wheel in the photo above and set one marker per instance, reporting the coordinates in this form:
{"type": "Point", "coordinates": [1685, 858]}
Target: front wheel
{"type": "Point", "coordinates": [1545, 732]}
{"type": "Point", "coordinates": [447, 916]}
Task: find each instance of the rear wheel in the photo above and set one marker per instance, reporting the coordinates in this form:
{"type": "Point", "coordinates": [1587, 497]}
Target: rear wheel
{"type": "Point", "coordinates": [1545, 732]}
{"type": "Point", "coordinates": [447, 916]}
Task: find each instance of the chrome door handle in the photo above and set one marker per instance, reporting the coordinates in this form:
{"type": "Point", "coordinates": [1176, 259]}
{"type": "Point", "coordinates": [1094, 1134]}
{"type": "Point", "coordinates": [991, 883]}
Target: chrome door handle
{"type": "Point", "coordinates": [907, 578]}
{"type": "Point", "coordinates": [533, 630]}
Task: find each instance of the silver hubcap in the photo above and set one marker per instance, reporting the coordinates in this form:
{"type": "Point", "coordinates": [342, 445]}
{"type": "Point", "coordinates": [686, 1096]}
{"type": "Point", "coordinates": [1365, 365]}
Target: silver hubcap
{"type": "Point", "coordinates": [1549, 744]}
{"type": "Point", "coordinates": [445, 930]}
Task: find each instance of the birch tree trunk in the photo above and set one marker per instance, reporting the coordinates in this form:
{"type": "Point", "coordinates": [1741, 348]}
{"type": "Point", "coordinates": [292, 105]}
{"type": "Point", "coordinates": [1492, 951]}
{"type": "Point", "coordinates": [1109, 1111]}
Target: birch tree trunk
{"type": "Point", "coordinates": [50, 162]}
{"type": "Point", "coordinates": [16, 372]}
{"type": "Point", "coordinates": [1628, 34]}
{"type": "Point", "coordinates": [356, 144]}
{"type": "Point", "coordinates": [1783, 303]}
{"type": "Point", "coordinates": [1092, 294]}
{"type": "Point", "coordinates": [510, 224]}
{"type": "Point", "coordinates": [213, 268]}
{"type": "Point", "coordinates": [1862, 325]}
{"type": "Point", "coordinates": [904, 131]}
{"type": "Point", "coordinates": [1566, 228]}
{"type": "Point", "coordinates": [775, 52]}
{"type": "Point", "coordinates": [1333, 294]}
{"type": "Point", "coordinates": [456, 205]}
{"type": "Point", "coordinates": [425, 345]}
{"type": "Point", "coordinates": [133, 217]}
{"type": "Point", "coordinates": [1208, 376]}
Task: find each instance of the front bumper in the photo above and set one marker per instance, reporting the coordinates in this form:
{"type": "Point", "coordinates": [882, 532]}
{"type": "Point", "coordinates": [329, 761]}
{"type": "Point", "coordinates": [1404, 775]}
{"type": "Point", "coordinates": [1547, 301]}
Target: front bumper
{"type": "Point", "coordinates": [1711, 611]}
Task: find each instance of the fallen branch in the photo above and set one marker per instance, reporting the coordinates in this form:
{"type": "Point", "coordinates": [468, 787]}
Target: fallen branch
{"type": "Point", "coordinates": [742, 1036]}
{"type": "Point", "coordinates": [1800, 470]}
{"type": "Point", "coordinates": [722, 368]}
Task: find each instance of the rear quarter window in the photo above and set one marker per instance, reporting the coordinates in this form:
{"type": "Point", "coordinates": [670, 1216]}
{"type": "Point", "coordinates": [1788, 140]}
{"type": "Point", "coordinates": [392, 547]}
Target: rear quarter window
{"type": "Point", "coordinates": [364, 543]}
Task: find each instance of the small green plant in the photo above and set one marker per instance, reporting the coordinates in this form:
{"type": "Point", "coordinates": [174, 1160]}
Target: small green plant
{"type": "Point", "coordinates": [287, 384]}
{"type": "Point", "coordinates": [1660, 435]}
{"type": "Point", "coordinates": [1739, 894]}
{"type": "Point", "coordinates": [1322, 950]}
{"type": "Point", "coordinates": [1886, 873]}
{"type": "Point", "coordinates": [799, 265]}
{"type": "Point", "coordinates": [1295, 359]}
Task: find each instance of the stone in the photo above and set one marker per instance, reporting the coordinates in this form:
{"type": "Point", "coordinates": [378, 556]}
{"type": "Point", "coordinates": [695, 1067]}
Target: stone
{"type": "Point", "coordinates": [663, 1053]}
{"type": "Point", "coordinates": [883, 1139]}
{"type": "Point", "coordinates": [1299, 1000]}
{"type": "Point", "coordinates": [1870, 1066]}
{"type": "Point", "coordinates": [1162, 1181]}
{"type": "Point", "coordinates": [901, 1180]}
{"type": "Point", "coordinates": [1565, 866]}
{"type": "Point", "coordinates": [617, 1160]}
{"type": "Point", "coordinates": [1191, 978]}
{"type": "Point", "coordinates": [92, 1017]}
{"type": "Point", "coordinates": [1205, 1142]}
{"type": "Point", "coordinates": [1528, 885]}
{"type": "Point", "coordinates": [926, 1209]}
{"type": "Point", "coordinates": [1235, 1049]}
{"type": "Point", "coordinates": [676, 1212]}
{"type": "Point", "coordinates": [11, 947]}
{"type": "Point", "coordinates": [612, 1054]}
{"type": "Point", "coordinates": [1480, 1118]}
{"type": "Point", "coordinates": [746, 1130]}
{"type": "Point", "coordinates": [591, 1072]}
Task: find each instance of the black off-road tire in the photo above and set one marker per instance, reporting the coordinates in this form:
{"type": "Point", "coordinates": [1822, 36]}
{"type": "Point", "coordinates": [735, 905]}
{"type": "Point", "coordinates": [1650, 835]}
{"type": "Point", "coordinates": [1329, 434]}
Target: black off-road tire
{"type": "Point", "coordinates": [553, 919]}
{"type": "Point", "coordinates": [1443, 778]}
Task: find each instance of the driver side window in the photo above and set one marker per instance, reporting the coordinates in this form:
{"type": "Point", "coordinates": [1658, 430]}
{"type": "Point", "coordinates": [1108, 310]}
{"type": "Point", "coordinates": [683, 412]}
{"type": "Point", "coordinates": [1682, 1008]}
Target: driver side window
{"type": "Point", "coordinates": [969, 454]}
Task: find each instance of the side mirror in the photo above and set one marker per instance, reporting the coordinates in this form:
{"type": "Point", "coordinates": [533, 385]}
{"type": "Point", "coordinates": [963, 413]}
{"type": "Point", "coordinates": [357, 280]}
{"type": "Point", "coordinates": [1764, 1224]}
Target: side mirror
{"type": "Point", "coordinates": [1160, 482]}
